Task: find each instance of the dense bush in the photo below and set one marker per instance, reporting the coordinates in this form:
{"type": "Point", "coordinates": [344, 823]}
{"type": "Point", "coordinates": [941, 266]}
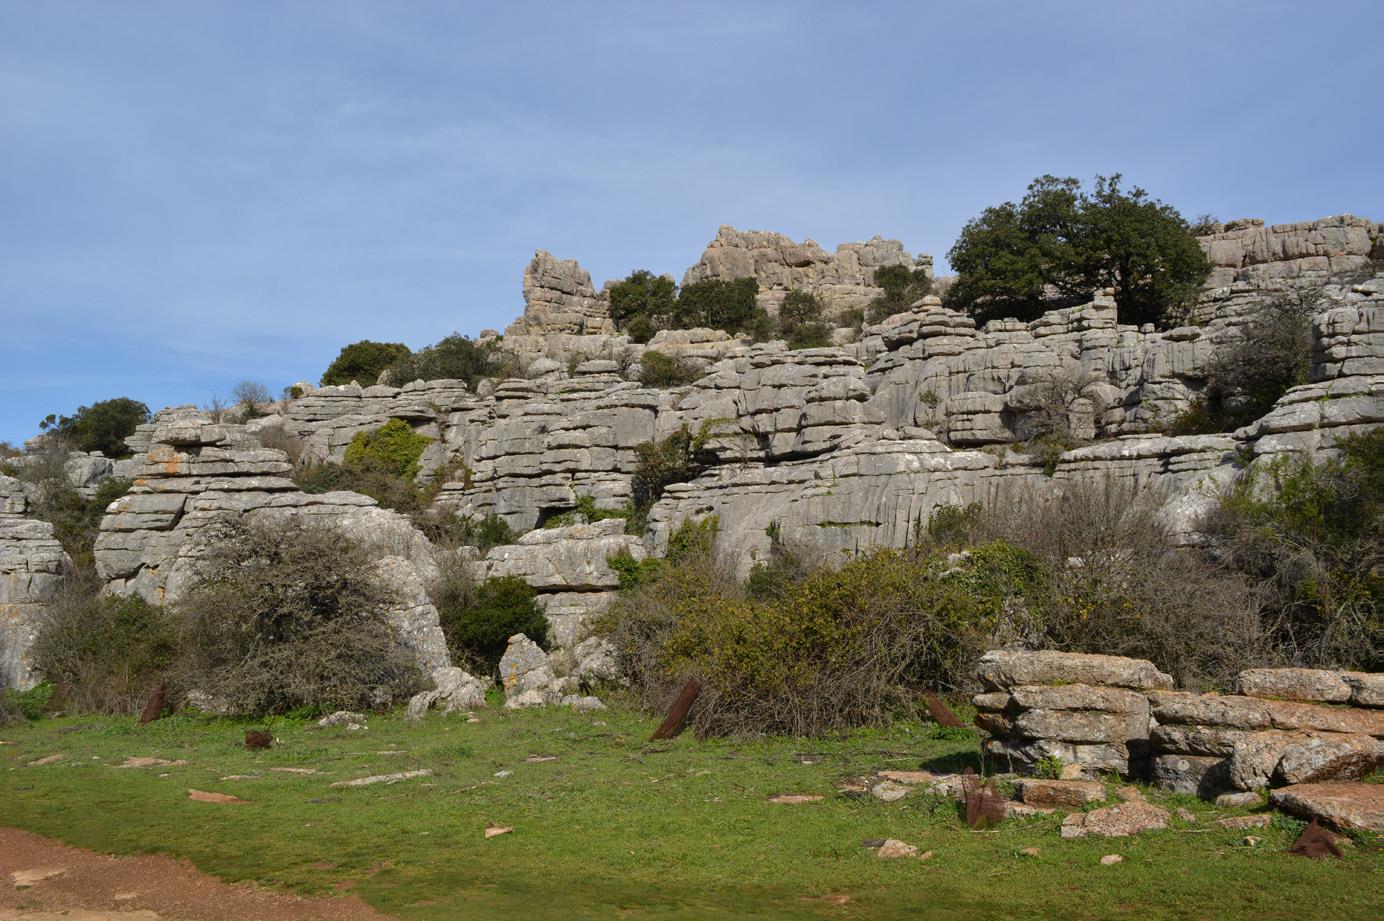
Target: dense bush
{"type": "Point", "coordinates": [479, 618]}
{"type": "Point", "coordinates": [800, 321]}
{"type": "Point", "coordinates": [102, 426]}
{"type": "Point", "coordinates": [448, 529]}
{"type": "Point", "coordinates": [108, 652]}
{"type": "Point", "coordinates": [903, 287]}
{"type": "Point", "coordinates": [363, 362]}
{"type": "Point", "coordinates": [661, 463]}
{"type": "Point", "coordinates": [1310, 533]}
{"type": "Point", "coordinates": [284, 616]}
{"type": "Point", "coordinates": [836, 648]}
{"type": "Point", "coordinates": [1060, 244]}
{"type": "Point", "coordinates": [642, 303]}
{"type": "Point", "coordinates": [394, 447]}
{"type": "Point", "coordinates": [1116, 584]}
{"type": "Point", "coordinates": [455, 357]}
{"type": "Point", "coordinates": [1247, 375]}
{"type": "Point", "coordinates": [720, 304]}
{"type": "Point", "coordinates": [659, 370]}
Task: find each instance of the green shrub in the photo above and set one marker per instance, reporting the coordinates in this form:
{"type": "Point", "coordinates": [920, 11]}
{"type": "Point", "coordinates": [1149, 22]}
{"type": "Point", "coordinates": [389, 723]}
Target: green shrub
{"type": "Point", "coordinates": [394, 447]}
{"type": "Point", "coordinates": [102, 426]}
{"type": "Point", "coordinates": [482, 532]}
{"type": "Point", "coordinates": [109, 651]}
{"type": "Point", "coordinates": [479, 619]}
{"type": "Point", "coordinates": [661, 463]}
{"type": "Point", "coordinates": [659, 370]}
{"type": "Point", "coordinates": [903, 287]}
{"type": "Point", "coordinates": [587, 511]}
{"type": "Point", "coordinates": [456, 357]}
{"type": "Point", "coordinates": [719, 304]}
{"type": "Point", "coordinates": [1060, 244]}
{"type": "Point", "coordinates": [955, 525]}
{"type": "Point", "coordinates": [809, 336]}
{"type": "Point", "coordinates": [642, 303]}
{"type": "Point", "coordinates": [842, 647]}
{"type": "Point", "coordinates": [1309, 532]}
{"type": "Point", "coordinates": [286, 616]}
{"type": "Point", "coordinates": [363, 362]}
{"type": "Point", "coordinates": [369, 477]}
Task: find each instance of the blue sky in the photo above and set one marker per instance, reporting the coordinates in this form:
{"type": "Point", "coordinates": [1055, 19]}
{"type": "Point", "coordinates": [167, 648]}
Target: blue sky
{"type": "Point", "coordinates": [197, 193]}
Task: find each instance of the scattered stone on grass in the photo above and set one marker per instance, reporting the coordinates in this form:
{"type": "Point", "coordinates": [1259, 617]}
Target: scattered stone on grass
{"type": "Point", "coordinates": [539, 759]}
{"type": "Point", "coordinates": [1345, 806]}
{"type": "Point", "coordinates": [1245, 799]}
{"type": "Point", "coordinates": [1130, 794]}
{"type": "Point", "coordinates": [853, 786]}
{"type": "Point", "coordinates": [141, 761]}
{"type": "Point", "coordinates": [343, 719]}
{"type": "Point", "coordinates": [1028, 852]}
{"type": "Point", "coordinates": [493, 831]}
{"type": "Point", "coordinates": [1109, 860]}
{"type": "Point", "coordinates": [795, 799]}
{"type": "Point", "coordinates": [234, 777]}
{"type": "Point", "coordinates": [1117, 821]}
{"type": "Point", "coordinates": [383, 778]}
{"type": "Point", "coordinates": [889, 792]}
{"type": "Point", "coordinates": [908, 777]}
{"type": "Point", "coordinates": [1252, 841]}
{"type": "Point", "coordinates": [893, 848]}
{"type": "Point", "coordinates": [504, 773]}
{"type": "Point", "coordinates": [295, 770]}
{"type": "Point", "coordinates": [46, 759]}
{"type": "Point", "coordinates": [1261, 820]}
{"type": "Point", "coordinates": [1035, 792]}
{"type": "Point", "coordinates": [206, 796]}
{"type": "Point", "coordinates": [1186, 815]}
{"type": "Point", "coordinates": [1013, 810]}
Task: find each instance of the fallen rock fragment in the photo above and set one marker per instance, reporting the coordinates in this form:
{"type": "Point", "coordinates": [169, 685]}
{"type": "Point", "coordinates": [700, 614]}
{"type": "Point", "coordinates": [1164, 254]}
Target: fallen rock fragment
{"type": "Point", "coordinates": [888, 792]}
{"type": "Point", "coordinates": [1117, 821]}
{"type": "Point", "coordinates": [893, 848]}
{"type": "Point", "coordinates": [908, 777]}
{"type": "Point", "coordinates": [343, 719]}
{"type": "Point", "coordinates": [1261, 820]}
{"type": "Point", "coordinates": [383, 778]}
{"type": "Point", "coordinates": [144, 762]}
{"type": "Point", "coordinates": [294, 770]}
{"type": "Point", "coordinates": [206, 796]}
{"type": "Point", "coordinates": [795, 799]}
{"type": "Point", "coordinates": [23, 879]}
{"type": "Point", "coordinates": [1109, 860]}
{"type": "Point", "coordinates": [1345, 806]}
{"type": "Point", "coordinates": [1035, 792]}
{"type": "Point", "coordinates": [1247, 799]}
{"type": "Point", "coordinates": [493, 831]}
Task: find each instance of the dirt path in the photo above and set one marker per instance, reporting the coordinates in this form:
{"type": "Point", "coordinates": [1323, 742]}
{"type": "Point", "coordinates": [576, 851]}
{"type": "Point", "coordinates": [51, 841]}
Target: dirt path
{"type": "Point", "coordinates": [42, 879]}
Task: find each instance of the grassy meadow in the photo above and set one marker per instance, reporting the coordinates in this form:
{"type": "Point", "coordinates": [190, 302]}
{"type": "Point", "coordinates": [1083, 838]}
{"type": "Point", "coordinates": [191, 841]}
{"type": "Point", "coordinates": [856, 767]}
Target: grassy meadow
{"type": "Point", "coordinates": [608, 825]}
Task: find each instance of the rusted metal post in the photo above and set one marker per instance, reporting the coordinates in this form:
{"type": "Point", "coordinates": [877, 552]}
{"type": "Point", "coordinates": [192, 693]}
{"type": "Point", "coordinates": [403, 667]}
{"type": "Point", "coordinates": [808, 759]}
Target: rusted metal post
{"type": "Point", "coordinates": [942, 715]}
{"type": "Point", "coordinates": [154, 708]}
{"type": "Point", "coordinates": [673, 721]}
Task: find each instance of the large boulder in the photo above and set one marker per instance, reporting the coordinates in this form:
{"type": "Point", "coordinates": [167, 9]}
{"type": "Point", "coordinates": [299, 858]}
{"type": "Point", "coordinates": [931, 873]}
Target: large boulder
{"type": "Point", "coordinates": [453, 689]}
{"type": "Point", "coordinates": [1346, 806]}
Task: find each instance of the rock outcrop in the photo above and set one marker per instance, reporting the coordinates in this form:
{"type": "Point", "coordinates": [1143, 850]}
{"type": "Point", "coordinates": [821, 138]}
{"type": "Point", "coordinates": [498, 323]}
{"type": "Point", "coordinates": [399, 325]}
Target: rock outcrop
{"type": "Point", "coordinates": [32, 566]}
{"type": "Point", "coordinates": [1286, 727]}
{"type": "Point", "coordinates": [191, 473]}
{"type": "Point", "coordinates": [841, 280]}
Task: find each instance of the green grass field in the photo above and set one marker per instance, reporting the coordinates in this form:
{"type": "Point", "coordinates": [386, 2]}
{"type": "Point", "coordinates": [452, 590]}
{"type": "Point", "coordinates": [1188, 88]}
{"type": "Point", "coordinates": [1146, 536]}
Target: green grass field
{"type": "Point", "coordinates": [618, 828]}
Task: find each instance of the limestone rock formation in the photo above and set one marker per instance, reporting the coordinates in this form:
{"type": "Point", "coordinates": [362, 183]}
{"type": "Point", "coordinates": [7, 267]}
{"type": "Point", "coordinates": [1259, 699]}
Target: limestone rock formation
{"type": "Point", "coordinates": [32, 566]}
{"type": "Point", "coordinates": [190, 473]}
{"type": "Point", "coordinates": [453, 689]}
{"type": "Point", "coordinates": [841, 280]}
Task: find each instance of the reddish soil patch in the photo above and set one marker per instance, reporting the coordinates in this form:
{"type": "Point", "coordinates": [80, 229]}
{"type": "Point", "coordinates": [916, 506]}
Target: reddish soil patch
{"type": "Point", "coordinates": [97, 887]}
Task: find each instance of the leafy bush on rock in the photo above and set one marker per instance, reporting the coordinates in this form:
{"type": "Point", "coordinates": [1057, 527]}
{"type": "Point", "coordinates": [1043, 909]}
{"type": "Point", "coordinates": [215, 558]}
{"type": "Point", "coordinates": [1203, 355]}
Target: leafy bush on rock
{"type": "Point", "coordinates": [102, 426]}
{"type": "Point", "coordinates": [362, 362]}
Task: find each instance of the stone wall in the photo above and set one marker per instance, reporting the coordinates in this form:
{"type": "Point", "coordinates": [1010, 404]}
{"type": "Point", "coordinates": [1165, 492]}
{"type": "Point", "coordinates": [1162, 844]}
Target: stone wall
{"type": "Point", "coordinates": [1284, 726]}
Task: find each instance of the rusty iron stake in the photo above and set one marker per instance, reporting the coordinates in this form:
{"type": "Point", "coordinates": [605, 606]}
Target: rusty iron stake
{"type": "Point", "coordinates": [154, 708]}
{"type": "Point", "coordinates": [673, 721]}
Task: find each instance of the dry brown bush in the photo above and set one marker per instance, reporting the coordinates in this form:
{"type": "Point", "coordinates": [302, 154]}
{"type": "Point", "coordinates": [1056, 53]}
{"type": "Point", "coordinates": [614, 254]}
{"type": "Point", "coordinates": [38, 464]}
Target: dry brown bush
{"type": "Point", "coordinates": [288, 615]}
{"type": "Point", "coordinates": [1117, 585]}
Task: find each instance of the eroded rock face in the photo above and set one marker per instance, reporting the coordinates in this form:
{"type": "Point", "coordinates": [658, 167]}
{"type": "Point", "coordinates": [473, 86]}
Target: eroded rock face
{"type": "Point", "coordinates": [193, 473]}
{"type": "Point", "coordinates": [454, 690]}
{"type": "Point", "coordinates": [841, 280]}
{"type": "Point", "coordinates": [32, 566]}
